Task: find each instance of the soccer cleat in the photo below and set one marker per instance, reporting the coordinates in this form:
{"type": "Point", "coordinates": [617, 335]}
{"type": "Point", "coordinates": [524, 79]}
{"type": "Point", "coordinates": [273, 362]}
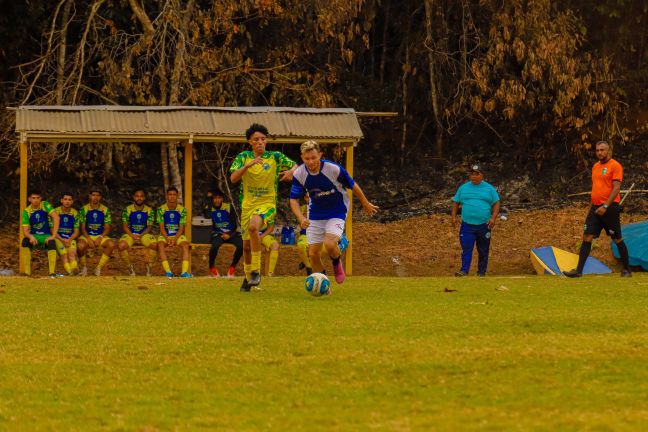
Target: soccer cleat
{"type": "Point", "coordinates": [149, 270]}
{"type": "Point", "coordinates": [573, 273]}
{"type": "Point", "coordinates": [56, 275]}
{"type": "Point", "coordinates": [481, 274]}
{"type": "Point", "coordinates": [131, 270]}
{"type": "Point", "coordinates": [338, 270]}
{"type": "Point", "coordinates": [244, 286]}
{"type": "Point", "coordinates": [461, 274]}
{"type": "Point", "coordinates": [84, 271]}
{"type": "Point", "coordinates": [213, 272]}
{"type": "Point", "coordinates": [309, 271]}
{"type": "Point", "coordinates": [168, 274]}
{"type": "Point", "coordinates": [626, 273]}
{"type": "Point", "coordinates": [270, 274]}
{"type": "Point", "coordinates": [97, 271]}
{"type": "Point", "coordinates": [186, 275]}
{"type": "Point", "coordinates": [255, 279]}
{"type": "Point", "coordinates": [230, 272]}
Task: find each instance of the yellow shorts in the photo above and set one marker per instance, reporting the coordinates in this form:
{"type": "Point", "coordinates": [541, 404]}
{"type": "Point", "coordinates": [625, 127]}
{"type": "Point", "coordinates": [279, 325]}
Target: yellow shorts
{"type": "Point", "coordinates": [95, 237]}
{"type": "Point", "coordinates": [61, 249]}
{"type": "Point", "coordinates": [268, 240]}
{"type": "Point", "coordinates": [267, 213]}
{"type": "Point", "coordinates": [146, 240]}
{"type": "Point", "coordinates": [179, 240]}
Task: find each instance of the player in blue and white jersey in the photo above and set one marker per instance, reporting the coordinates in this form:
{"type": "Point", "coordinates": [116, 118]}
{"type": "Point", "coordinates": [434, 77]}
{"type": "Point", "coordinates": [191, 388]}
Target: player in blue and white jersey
{"type": "Point", "coordinates": [326, 184]}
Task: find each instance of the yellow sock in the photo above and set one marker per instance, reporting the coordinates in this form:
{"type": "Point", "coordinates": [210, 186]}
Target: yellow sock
{"type": "Point", "coordinates": [185, 266]}
{"type": "Point", "coordinates": [272, 262]}
{"type": "Point", "coordinates": [74, 265]}
{"type": "Point", "coordinates": [303, 255]}
{"type": "Point", "coordinates": [152, 255]}
{"type": "Point", "coordinates": [124, 255]}
{"type": "Point", "coordinates": [247, 269]}
{"type": "Point", "coordinates": [27, 258]}
{"type": "Point", "coordinates": [51, 259]}
{"type": "Point", "coordinates": [102, 262]}
{"type": "Point", "coordinates": [67, 267]}
{"type": "Point", "coordinates": [166, 266]}
{"type": "Point", "coordinates": [256, 261]}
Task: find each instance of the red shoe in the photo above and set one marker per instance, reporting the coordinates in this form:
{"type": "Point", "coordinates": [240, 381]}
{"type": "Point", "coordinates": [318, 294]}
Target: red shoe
{"type": "Point", "coordinates": [230, 272]}
{"type": "Point", "coordinates": [339, 272]}
{"type": "Point", "coordinates": [214, 272]}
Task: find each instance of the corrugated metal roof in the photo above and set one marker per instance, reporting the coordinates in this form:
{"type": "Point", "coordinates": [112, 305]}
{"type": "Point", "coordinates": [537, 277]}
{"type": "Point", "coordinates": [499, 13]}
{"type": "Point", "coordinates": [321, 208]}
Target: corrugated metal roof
{"type": "Point", "coordinates": [68, 122]}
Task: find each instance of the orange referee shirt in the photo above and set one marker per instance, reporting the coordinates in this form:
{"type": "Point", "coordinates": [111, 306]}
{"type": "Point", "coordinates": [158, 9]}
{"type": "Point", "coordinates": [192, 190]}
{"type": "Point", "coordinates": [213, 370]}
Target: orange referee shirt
{"type": "Point", "coordinates": [603, 174]}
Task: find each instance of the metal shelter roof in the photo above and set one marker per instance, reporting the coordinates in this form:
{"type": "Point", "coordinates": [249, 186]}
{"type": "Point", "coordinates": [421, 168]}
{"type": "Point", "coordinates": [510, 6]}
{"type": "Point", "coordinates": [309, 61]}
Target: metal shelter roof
{"type": "Point", "coordinates": [112, 123]}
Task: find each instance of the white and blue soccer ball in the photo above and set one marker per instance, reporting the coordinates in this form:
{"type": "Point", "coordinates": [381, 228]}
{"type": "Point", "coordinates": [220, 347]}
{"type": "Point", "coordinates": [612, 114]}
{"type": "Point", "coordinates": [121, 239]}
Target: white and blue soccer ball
{"type": "Point", "coordinates": [317, 284]}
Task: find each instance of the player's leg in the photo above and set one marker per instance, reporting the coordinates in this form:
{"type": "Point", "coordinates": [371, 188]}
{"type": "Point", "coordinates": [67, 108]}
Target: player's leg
{"type": "Point", "coordinates": [483, 240]}
{"type": "Point", "coordinates": [247, 264]}
{"type": "Point", "coordinates": [302, 250]}
{"type": "Point", "coordinates": [51, 256]}
{"type": "Point", "coordinates": [125, 243]}
{"type": "Point", "coordinates": [593, 227]}
{"type": "Point", "coordinates": [72, 257]}
{"type": "Point", "coordinates": [150, 243]}
{"type": "Point", "coordinates": [63, 253]}
{"type": "Point", "coordinates": [82, 251]}
{"type": "Point", "coordinates": [271, 247]}
{"type": "Point", "coordinates": [334, 229]}
{"type": "Point", "coordinates": [254, 227]}
{"type": "Point", "coordinates": [27, 247]}
{"type": "Point", "coordinates": [238, 252]}
{"type": "Point", "coordinates": [217, 242]}
{"type": "Point", "coordinates": [162, 250]}
{"type": "Point", "coordinates": [107, 245]}
{"type": "Point", "coordinates": [612, 223]}
{"type": "Point", "coordinates": [185, 246]}
{"type": "Point", "coordinates": [314, 254]}
{"type": "Point", "coordinates": [315, 234]}
{"type": "Point", "coordinates": [467, 239]}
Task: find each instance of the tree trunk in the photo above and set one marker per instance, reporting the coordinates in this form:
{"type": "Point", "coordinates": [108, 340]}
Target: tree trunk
{"type": "Point", "coordinates": [164, 161]}
{"type": "Point", "coordinates": [434, 97]}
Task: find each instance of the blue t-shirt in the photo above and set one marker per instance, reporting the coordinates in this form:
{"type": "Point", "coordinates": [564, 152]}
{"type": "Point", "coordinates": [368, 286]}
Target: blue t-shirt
{"type": "Point", "coordinates": [476, 202]}
{"type": "Point", "coordinates": [326, 189]}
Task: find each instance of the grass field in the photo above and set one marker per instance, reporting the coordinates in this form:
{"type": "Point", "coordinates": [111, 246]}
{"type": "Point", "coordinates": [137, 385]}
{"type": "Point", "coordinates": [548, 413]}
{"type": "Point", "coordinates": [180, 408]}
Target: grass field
{"type": "Point", "coordinates": [379, 354]}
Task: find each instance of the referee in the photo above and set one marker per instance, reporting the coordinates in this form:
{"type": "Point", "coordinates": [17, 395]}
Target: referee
{"type": "Point", "coordinates": [604, 214]}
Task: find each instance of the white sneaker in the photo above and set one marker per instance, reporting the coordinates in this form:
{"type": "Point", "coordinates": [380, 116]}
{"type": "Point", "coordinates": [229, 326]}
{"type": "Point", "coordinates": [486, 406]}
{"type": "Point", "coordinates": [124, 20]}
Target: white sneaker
{"type": "Point", "coordinates": [149, 270]}
{"type": "Point", "coordinates": [131, 270]}
{"type": "Point", "coordinates": [97, 271]}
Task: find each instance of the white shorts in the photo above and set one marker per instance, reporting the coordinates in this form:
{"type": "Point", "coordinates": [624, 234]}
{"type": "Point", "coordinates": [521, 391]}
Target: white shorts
{"type": "Point", "coordinates": [319, 228]}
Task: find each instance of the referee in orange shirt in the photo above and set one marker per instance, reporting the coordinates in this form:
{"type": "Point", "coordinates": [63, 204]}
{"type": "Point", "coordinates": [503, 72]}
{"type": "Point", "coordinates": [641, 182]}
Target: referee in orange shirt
{"type": "Point", "coordinates": [605, 213]}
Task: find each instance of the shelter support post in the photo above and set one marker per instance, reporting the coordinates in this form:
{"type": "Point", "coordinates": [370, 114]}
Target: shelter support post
{"type": "Point", "coordinates": [348, 264]}
{"type": "Point", "coordinates": [188, 189]}
{"type": "Point", "coordinates": [23, 198]}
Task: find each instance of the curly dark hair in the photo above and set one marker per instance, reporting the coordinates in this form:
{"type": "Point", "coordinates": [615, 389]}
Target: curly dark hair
{"type": "Point", "coordinates": [255, 127]}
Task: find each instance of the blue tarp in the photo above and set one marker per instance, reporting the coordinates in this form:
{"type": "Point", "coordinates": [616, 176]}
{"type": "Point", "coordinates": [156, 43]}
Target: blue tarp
{"type": "Point", "coordinates": [636, 238]}
{"type": "Point", "coordinates": [553, 261]}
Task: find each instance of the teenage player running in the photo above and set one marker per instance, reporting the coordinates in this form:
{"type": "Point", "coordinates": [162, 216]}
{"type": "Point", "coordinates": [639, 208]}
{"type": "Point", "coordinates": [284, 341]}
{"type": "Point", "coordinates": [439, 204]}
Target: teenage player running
{"type": "Point", "coordinates": [259, 171]}
{"type": "Point", "coordinates": [95, 228]}
{"type": "Point", "coordinates": [172, 218]}
{"type": "Point", "coordinates": [68, 232]}
{"type": "Point", "coordinates": [138, 220]}
{"type": "Point", "coordinates": [326, 183]}
{"type": "Point", "coordinates": [40, 225]}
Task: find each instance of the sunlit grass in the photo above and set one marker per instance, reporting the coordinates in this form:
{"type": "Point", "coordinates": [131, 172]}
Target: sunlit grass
{"type": "Point", "coordinates": [380, 353]}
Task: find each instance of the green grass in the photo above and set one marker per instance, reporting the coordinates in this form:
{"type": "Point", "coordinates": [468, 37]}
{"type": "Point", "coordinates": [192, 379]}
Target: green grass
{"type": "Point", "coordinates": [380, 354]}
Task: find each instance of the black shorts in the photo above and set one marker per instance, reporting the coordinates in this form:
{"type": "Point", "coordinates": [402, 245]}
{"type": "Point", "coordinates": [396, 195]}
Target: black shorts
{"type": "Point", "coordinates": [610, 222]}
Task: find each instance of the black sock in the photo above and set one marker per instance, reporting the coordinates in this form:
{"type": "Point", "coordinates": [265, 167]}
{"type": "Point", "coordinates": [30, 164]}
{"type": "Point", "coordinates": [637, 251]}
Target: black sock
{"type": "Point", "coordinates": [585, 249]}
{"type": "Point", "coordinates": [336, 261]}
{"type": "Point", "coordinates": [623, 252]}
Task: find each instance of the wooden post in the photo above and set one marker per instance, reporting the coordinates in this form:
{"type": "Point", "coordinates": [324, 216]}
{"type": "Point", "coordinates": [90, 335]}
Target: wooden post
{"type": "Point", "coordinates": [23, 197]}
{"type": "Point", "coordinates": [188, 189]}
{"type": "Point", "coordinates": [348, 264]}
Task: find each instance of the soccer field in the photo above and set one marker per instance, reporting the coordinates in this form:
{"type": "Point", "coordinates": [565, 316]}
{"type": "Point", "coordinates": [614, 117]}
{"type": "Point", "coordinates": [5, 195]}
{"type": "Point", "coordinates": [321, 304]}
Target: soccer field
{"type": "Point", "coordinates": [379, 354]}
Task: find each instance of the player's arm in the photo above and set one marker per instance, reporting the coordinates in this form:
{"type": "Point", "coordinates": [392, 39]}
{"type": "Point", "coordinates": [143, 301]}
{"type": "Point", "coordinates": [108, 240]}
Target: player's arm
{"type": "Point", "coordinates": [268, 230]}
{"type": "Point", "coordinates": [494, 212]}
{"type": "Point", "coordinates": [368, 207]}
{"type": "Point", "coordinates": [296, 192]}
{"type": "Point", "coordinates": [287, 167]}
{"type": "Point", "coordinates": [27, 231]}
{"type": "Point", "coordinates": [616, 188]}
{"type": "Point", "coordinates": [454, 212]}
{"type": "Point", "coordinates": [56, 221]}
{"type": "Point", "coordinates": [237, 173]}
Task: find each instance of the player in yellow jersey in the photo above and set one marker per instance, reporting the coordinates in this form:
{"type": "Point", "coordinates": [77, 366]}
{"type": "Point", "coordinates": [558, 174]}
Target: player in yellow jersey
{"type": "Point", "coordinates": [68, 232]}
{"type": "Point", "coordinates": [95, 228]}
{"type": "Point", "coordinates": [259, 172]}
{"type": "Point", "coordinates": [172, 218]}
{"type": "Point", "coordinates": [40, 225]}
{"type": "Point", "coordinates": [138, 220]}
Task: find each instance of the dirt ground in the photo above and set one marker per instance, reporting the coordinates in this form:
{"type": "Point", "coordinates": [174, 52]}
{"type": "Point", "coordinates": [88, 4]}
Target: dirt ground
{"type": "Point", "coordinates": [418, 246]}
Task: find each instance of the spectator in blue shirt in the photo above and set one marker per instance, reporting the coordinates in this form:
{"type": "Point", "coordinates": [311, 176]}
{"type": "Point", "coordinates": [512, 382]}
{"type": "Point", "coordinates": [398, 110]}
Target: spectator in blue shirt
{"type": "Point", "coordinates": [224, 230]}
{"type": "Point", "coordinates": [480, 205]}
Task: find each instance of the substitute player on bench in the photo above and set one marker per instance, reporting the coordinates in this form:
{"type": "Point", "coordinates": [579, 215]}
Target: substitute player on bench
{"type": "Point", "coordinates": [40, 225]}
{"type": "Point", "coordinates": [138, 220]}
{"type": "Point", "coordinates": [68, 232]}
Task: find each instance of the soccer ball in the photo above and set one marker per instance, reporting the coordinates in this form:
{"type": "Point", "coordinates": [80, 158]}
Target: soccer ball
{"type": "Point", "coordinates": [317, 284]}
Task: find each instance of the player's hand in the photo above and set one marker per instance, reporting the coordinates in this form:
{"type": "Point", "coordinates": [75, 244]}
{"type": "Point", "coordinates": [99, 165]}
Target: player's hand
{"type": "Point", "coordinates": [255, 161]}
{"type": "Point", "coordinates": [49, 238]}
{"type": "Point", "coordinates": [32, 240]}
{"type": "Point", "coordinates": [491, 223]}
{"type": "Point", "coordinates": [304, 223]}
{"type": "Point", "coordinates": [454, 221]}
{"type": "Point", "coordinates": [225, 236]}
{"type": "Point", "coordinates": [286, 175]}
{"type": "Point", "coordinates": [171, 241]}
{"type": "Point", "coordinates": [370, 208]}
{"type": "Point", "coordinates": [66, 242]}
{"type": "Point", "coordinates": [137, 237]}
{"type": "Point", "coordinates": [600, 211]}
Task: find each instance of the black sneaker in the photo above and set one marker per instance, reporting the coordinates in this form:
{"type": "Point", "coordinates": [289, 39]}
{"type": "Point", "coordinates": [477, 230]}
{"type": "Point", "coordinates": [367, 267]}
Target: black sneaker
{"type": "Point", "coordinates": [244, 286]}
{"type": "Point", "coordinates": [255, 279]}
{"type": "Point", "coordinates": [573, 273]}
{"type": "Point", "coordinates": [461, 274]}
{"type": "Point", "coordinates": [626, 273]}
{"type": "Point", "coordinates": [481, 274]}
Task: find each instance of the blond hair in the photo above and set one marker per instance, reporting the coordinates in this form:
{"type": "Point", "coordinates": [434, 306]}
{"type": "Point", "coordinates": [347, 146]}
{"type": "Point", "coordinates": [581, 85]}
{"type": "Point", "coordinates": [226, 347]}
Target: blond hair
{"type": "Point", "coordinates": [310, 145]}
